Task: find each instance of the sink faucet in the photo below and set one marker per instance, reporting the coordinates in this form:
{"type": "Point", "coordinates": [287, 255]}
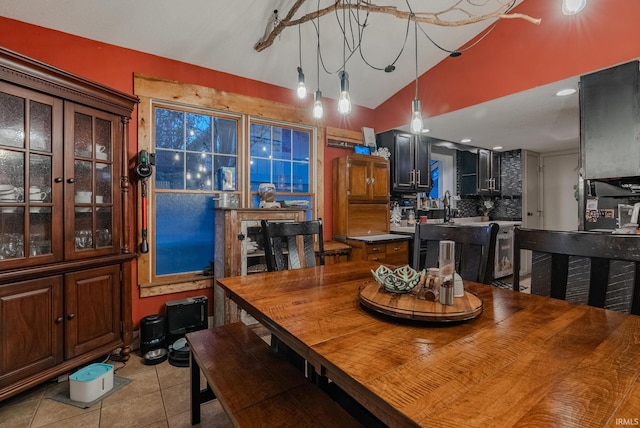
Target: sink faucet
{"type": "Point", "coordinates": [446, 202]}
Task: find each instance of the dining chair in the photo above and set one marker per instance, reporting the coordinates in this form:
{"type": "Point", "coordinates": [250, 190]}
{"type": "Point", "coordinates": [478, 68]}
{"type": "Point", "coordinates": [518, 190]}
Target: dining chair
{"type": "Point", "coordinates": [597, 269]}
{"type": "Point", "coordinates": [475, 248]}
{"type": "Point", "coordinates": [289, 245]}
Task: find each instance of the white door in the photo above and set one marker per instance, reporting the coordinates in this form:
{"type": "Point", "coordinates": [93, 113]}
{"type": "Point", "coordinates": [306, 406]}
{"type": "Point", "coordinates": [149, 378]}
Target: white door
{"type": "Point", "coordinates": [531, 213]}
{"type": "Point", "coordinates": [559, 203]}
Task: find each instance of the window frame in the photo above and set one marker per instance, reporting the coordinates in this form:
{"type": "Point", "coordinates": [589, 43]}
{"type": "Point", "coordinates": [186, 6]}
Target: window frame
{"type": "Point", "coordinates": [152, 92]}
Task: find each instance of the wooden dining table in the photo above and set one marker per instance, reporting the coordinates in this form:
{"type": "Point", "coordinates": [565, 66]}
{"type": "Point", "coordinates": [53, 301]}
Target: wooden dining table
{"type": "Point", "coordinates": [526, 360]}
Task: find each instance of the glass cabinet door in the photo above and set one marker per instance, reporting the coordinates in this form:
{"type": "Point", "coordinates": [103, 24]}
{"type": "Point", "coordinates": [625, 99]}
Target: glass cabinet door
{"type": "Point", "coordinates": [92, 201]}
{"type": "Point", "coordinates": [30, 201]}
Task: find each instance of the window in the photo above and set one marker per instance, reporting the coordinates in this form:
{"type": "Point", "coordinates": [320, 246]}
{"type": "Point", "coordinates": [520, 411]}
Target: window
{"type": "Point", "coordinates": [281, 155]}
{"type": "Point", "coordinates": [191, 148]}
{"type": "Point", "coordinates": [205, 142]}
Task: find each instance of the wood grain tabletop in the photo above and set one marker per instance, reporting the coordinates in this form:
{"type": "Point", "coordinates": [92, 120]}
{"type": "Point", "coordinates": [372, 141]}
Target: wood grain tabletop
{"type": "Point", "coordinates": [526, 360]}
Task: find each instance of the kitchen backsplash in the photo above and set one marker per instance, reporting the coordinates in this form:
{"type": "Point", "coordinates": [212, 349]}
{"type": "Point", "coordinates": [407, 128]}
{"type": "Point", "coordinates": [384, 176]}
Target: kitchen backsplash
{"type": "Point", "coordinates": [508, 205]}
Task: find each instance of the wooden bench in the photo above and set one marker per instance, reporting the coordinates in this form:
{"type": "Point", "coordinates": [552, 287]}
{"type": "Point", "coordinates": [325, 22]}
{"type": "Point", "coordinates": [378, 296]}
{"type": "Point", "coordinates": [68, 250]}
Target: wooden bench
{"type": "Point", "coordinates": [254, 385]}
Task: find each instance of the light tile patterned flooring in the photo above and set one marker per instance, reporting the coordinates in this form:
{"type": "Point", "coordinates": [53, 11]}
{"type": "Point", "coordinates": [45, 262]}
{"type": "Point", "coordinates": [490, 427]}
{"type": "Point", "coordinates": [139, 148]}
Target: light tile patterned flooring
{"type": "Point", "coordinates": [156, 397]}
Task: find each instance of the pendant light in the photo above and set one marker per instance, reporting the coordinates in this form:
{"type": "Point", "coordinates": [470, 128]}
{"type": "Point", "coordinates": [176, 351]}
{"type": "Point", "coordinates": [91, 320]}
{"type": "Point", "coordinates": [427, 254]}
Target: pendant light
{"type": "Point", "coordinates": [571, 7]}
{"type": "Point", "coordinates": [344, 102]}
{"type": "Point", "coordinates": [317, 97]}
{"type": "Point", "coordinates": [302, 89]}
{"type": "Point", "coordinates": [416, 110]}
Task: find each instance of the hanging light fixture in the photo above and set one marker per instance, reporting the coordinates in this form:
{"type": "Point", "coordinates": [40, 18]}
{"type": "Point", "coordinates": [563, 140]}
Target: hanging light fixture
{"type": "Point", "coordinates": [571, 7]}
{"type": "Point", "coordinates": [302, 89]}
{"type": "Point", "coordinates": [416, 110]}
{"type": "Point", "coordinates": [344, 101]}
{"type": "Point", "coordinates": [317, 97]}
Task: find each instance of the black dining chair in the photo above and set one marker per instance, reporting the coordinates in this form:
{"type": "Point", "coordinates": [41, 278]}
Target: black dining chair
{"type": "Point", "coordinates": [290, 245]}
{"type": "Point", "coordinates": [596, 269]}
{"type": "Point", "coordinates": [475, 248]}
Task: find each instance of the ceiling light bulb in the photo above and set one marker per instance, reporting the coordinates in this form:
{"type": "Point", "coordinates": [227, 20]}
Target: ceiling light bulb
{"type": "Point", "coordinates": [465, 140]}
{"type": "Point", "coordinates": [302, 89]}
{"type": "Point", "coordinates": [344, 102]}
{"type": "Point", "coordinates": [571, 7]}
{"type": "Point", "coordinates": [317, 105]}
{"type": "Point", "coordinates": [416, 117]}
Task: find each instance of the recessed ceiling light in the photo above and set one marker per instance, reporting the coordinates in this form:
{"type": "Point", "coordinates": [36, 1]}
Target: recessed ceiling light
{"type": "Point", "coordinates": [497, 148]}
{"type": "Point", "coordinates": [425, 130]}
{"type": "Point", "coordinates": [465, 140]}
{"type": "Point", "coordinates": [565, 92]}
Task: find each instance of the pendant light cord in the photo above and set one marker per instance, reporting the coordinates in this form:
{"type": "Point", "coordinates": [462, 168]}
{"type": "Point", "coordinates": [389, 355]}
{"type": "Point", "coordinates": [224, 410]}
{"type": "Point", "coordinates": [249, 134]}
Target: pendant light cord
{"type": "Point", "coordinates": [416, 40]}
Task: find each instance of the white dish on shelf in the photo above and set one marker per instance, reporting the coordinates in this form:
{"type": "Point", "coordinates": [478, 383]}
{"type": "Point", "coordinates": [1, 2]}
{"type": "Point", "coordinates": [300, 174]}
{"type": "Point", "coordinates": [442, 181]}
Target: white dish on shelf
{"type": "Point", "coordinates": [101, 165]}
{"type": "Point", "coordinates": [38, 210]}
{"type": "Point", "coordinates": [9, 209]}
{"type": "Point", "coordinates": [83, 210]}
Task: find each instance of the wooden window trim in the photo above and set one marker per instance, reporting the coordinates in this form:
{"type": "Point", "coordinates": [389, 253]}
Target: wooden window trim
{"type": "Point", "coordinates": [150, 90]}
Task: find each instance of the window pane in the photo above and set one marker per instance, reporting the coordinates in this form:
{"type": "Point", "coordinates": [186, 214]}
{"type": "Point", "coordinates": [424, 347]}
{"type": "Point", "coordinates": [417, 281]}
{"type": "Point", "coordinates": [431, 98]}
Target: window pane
{"type": "Point", "coordinates": [184, 232]}
{"type": "Point", "coordinates": [169, 169]}
{"type": "Point", "coordinates": [199, 172]}
{"type": "Point", "coordinates": [260, 172]}
{"type": "Point", "coordinates": [226, 136]}
{"type": "Point", "coordinates": [300, 177]}
{"type": "Point", "coordinates": [169, 129]}
{"type": "Point", "coordinates": [198, 133]}
{"type": "Point", "coordinates": [281, 143]}
{"type": "Point", "coordinates": [41, 126]}
{"type": "Point", "coordinates": [260, 140]}
{"type": "Point", "coordinates": [282, 175]}
{"type": "Point", "coordinates": [301, 145]}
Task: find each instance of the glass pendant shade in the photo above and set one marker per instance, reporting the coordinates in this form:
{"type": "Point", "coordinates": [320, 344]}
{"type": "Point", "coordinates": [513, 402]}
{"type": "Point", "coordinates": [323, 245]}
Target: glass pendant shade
{"type": "Point", "coordinates": [317, 105]}
{"type": "Point", "coordinates": [302, 89]}
{"type": "Point", "coordinates": [344, 102]}
{"type": "Point", "coordinates": [571, 7]}
{"type": "Point", "coordinates": [416, 117]}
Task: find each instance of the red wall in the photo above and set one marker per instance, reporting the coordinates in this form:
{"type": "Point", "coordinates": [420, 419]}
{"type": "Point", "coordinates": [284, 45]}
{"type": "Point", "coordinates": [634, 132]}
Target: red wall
{"type": "Point", "coordinates": [518, 55]}
{"type": "Point", "coordinates": [114, 67]}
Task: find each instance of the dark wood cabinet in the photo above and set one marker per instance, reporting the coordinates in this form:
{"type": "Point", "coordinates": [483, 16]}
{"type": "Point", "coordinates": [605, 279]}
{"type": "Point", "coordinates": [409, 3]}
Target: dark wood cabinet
{"type": "Point", "coordinates": [409, 161]}
{"type": "Point", "coordinates": [610, 122]}
{"type": "Point", "coordinates": [65, 261]}
{"type": "Point", "coordinates": [479, 172]}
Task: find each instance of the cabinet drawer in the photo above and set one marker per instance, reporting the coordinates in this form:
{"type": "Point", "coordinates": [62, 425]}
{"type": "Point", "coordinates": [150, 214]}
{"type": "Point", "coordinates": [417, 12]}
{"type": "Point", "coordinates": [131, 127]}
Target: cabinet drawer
{"type": "Point", "coordinates": [397, 253]}
{"type": "Point", "coordinates": [379, 257]}
{"type": "Point", "coordinates": [376, 248]}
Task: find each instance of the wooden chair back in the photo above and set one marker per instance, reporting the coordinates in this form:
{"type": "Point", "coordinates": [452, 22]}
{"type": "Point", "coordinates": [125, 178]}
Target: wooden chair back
{"type": "Point", "coordinates": [600, 270]}
{"type": "Point", "coordinates": [475, 248]}
{"type": "Point", "coordinates": [289, 245]}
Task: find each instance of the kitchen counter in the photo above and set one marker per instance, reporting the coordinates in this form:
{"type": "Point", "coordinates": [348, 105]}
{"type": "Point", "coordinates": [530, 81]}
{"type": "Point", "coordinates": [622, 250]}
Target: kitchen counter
{"type": "Point", "coordinates": [408, 230]}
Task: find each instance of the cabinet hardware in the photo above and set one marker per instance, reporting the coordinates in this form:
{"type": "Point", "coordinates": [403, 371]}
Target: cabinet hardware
{"type": "Point", "coordinates": [418, 180]}
{"type": "Point", "coordinates": [58, 320]}
{"type": "Point", "coordinates": [71, 316]}
{"type": "Point", "coordinates": [412, 177]}
{"type": "Point", "coordinates": [71, 180]}
{"type": "Point", "coordinates": [57, 180]}
{"type": "Point", "coordinates": [240, 237]}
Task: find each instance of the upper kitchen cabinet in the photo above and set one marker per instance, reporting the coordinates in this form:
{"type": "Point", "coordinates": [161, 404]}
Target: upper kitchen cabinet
{"type": "Point", "coordinates": [410, 156]}
{"type": "Point", "coordinates": [610, 122]}
{"type": "Point", "coordinates": [479, 172]}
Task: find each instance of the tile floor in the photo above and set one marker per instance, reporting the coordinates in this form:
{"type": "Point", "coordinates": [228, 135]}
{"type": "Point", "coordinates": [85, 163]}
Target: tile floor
{"type": "Point", "coordinates": [156, 397]}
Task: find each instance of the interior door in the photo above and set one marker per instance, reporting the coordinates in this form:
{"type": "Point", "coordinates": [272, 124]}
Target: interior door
{"type": "Point", "coordinates": [559, 176]}
{"type": "Point", "coordinates": [531, 212]}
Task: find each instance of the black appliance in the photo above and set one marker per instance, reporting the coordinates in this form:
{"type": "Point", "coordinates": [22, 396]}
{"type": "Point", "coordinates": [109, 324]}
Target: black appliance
{"type": "Point", "coordinates": [184, 316]}
{"type": "Point", "coordinates": [153, 339]}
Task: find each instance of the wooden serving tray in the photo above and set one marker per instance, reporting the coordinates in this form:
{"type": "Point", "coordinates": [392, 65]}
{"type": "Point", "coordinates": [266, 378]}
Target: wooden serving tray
{"type": "Point", "coordinates": [375, 297]}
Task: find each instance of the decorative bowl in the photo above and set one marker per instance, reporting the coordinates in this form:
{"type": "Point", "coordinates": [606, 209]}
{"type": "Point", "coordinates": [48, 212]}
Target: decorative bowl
{"type": "Point", "coordinates": [401, 280]}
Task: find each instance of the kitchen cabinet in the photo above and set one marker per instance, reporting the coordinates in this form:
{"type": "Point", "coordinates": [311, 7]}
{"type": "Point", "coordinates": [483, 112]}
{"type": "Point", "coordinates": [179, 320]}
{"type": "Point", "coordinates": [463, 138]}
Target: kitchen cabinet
{"type": "Point", "coordinates": [238, 249]}
{"type": "Point", "coordinates": [410, 160]}
{"type": "Point", "coordinates": [610, 122]}
{"type": "Point", "coordinates": [65, 261]}
{"type": "Point", "coordinates": [479, 172]}
{"type": "Point", "coordinates": [391, 251]}
{"type": "Point", "coordinates": [360, 196]}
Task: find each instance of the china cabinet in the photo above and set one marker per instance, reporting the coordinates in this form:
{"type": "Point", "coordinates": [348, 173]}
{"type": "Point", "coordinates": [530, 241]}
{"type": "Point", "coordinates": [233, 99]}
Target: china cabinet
{"type": "Point", "coordinates": [239, 251]}
{"type": "Point", "coordinates": [65, 274]}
